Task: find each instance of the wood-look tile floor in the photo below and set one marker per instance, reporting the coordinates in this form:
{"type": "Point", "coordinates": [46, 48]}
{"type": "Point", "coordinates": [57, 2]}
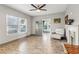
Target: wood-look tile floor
{"type": "Point", "coordinates": [33, 45]}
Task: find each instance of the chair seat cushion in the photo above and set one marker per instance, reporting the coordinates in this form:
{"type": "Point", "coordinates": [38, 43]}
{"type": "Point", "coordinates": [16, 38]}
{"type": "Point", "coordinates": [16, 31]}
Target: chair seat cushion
{"type": "Point", "coordinates": [57, 36]}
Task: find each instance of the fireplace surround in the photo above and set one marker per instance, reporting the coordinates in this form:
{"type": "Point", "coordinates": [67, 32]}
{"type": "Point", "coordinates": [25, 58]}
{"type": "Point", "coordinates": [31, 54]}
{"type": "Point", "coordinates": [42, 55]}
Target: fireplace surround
{"type": "Point", "coordinates": [72, 34]}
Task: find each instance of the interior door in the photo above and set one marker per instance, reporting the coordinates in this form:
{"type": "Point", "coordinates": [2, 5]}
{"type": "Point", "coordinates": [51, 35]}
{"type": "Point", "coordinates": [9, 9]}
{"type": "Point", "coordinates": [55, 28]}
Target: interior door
{"type": "Point", "coordinates": [38, 28]}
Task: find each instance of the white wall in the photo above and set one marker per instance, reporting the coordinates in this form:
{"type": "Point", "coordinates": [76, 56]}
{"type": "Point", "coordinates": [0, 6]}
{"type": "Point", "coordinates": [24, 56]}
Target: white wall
{"type": "Point", "coordinates": [73, 12]}
{"type": "Point", "coordinates": [51, 16]}
{"type": "Point", "coordinates": [3, 34]}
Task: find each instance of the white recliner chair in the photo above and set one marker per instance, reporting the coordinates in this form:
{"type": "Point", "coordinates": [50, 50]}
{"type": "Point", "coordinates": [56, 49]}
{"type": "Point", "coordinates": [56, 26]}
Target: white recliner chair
{"type": "Point", "coordinates": [58, 34]}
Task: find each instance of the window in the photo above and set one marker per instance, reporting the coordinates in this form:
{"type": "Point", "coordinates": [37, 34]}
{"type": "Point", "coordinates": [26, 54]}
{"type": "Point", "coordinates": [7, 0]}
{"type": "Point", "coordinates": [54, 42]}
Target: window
{"type": "Point", "coordinates": [22, 25]}
{"type": "Point", "coordinates": [15, 24]}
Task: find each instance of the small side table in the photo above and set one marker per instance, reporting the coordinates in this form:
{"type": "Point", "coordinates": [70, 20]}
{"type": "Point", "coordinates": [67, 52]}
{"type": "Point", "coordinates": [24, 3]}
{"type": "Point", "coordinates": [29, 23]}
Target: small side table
{"type": "Point", "coordinates": [71, 49]}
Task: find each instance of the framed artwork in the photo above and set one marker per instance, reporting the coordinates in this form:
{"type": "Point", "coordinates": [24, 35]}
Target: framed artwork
{"type": "Point", "coordinates": [57, 20]}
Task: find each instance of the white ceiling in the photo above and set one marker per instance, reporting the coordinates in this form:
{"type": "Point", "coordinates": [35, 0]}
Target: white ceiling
{"type": "Point", "coordinates": [51, 8]}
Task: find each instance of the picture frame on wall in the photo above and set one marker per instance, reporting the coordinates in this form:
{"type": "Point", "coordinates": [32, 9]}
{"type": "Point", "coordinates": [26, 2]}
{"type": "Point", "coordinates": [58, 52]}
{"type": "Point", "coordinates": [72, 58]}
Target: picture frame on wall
{"type": "Point", "coordinates": [57, 20]}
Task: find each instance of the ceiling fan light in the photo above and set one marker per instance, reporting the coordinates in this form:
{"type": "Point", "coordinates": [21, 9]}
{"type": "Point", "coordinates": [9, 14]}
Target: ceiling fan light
{"type": "Point", "coordinates": [38, 10]}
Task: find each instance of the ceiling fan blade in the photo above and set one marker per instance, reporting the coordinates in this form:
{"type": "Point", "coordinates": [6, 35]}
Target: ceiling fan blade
{"type": "Point", "coordinates": [42, 6]}
{"type": "Point", "coordinates": [43, 9]}
{"type": "Point", "coordinates": [33, 10]}
{"type": "Point", "coordinates": [33, 6]}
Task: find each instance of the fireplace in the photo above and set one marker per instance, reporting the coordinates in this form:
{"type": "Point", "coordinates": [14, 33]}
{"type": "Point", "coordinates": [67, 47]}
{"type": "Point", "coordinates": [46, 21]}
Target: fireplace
{"type": "Point", "coordinates": [72, 34]}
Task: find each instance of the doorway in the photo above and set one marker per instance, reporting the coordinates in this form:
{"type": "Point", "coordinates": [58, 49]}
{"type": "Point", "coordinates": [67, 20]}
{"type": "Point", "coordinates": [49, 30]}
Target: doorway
{"type": "Point", "coordinates": [38, 28]}
{"type": "Point", "coordinates": [42, 26]}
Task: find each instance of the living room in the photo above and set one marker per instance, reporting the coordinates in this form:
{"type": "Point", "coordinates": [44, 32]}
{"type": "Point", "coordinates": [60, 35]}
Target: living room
{"type": "Point", "coordinates": [52, 24]}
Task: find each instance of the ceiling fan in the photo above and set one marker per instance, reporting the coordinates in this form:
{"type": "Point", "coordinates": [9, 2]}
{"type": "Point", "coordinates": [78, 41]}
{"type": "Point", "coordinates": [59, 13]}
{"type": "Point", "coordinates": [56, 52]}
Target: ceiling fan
{"type": "Point", "coordinates": [38, 7]}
